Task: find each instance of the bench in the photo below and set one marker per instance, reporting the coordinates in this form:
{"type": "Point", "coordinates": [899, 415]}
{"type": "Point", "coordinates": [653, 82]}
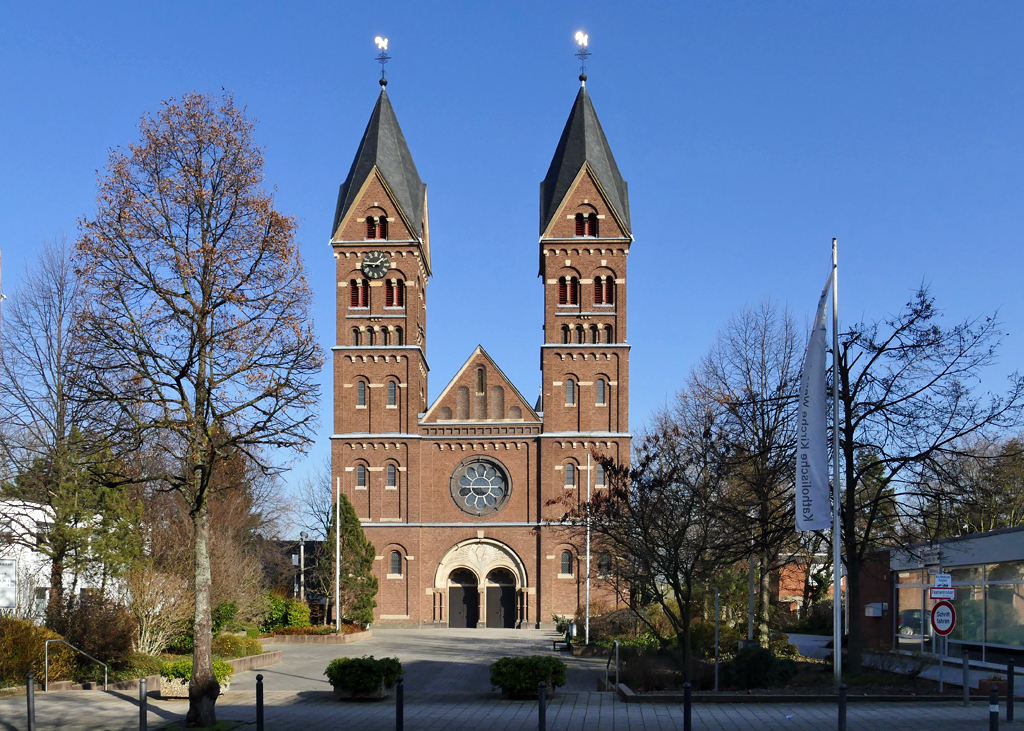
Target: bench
{"type": "Point", "coordinates": [564, 641]}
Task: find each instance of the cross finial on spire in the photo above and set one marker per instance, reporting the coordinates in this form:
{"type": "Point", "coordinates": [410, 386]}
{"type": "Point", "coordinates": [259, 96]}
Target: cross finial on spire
{"type": "Point", "coordinates": [383, 58]}
{"type": "Point", "coordinates": [583, 40]}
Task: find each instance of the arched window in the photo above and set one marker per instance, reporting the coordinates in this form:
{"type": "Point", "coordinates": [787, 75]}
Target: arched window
{"type": "Point", "coordinates": [392, 393]}
{"type": "Point", "coordinates": [599, 475]}
{"type": "Point", "coordinates": [479, 380]}
{"type": "Point", "coordinates": [399, 293]}
{"type": "Point", "coordinates": [579, 334]}
{"type": "Point", "coordinates": [392, 476]}
{"type": "Point", "coordinates": [566, 563]}
{"type": "Point", "coordinates": [563, 291]}
{"type": "Point", "coordinates": [580, 225]}
{"type": "Point", "coordinates": [360, 476]}
{"type": "Point", "coordinates": [608, 334]}
{"type": "Point", "coordinates": [385, 336]}
{"type": "Point", "coordinates": [399, 336]}
{"type": "Point", "coordinates": [389, 292]}
{"type": "Point", "coordinates": [371, 227]}
{"type": "Point", "coordinates": [565, 334]}
{"type": "Point", "coordinates": [601, 391]}
{"type": "Point", "coordinates": [361, 393]}
{"type": "Point", "coordinates": [355, 336]}
{"type": "Point", "coordinates": [595, 336]}
{"type": "Point", "coordinates": [358, 293]}
{"type": "Point", "coordinates": [396, 563]}
{"type": "Point", "coordinates": [382, 227]}
{"type": "Point", "coordinates": [604, 290]}
{"type": "Point", "coordinates": [604, 565]}
{"type": "Point", "coordinates": [371, 337]}
{"type": "Point", "coordinates": [609, 291]}
{"type": "Point", "coordinates": [570, 392]}
{"type": "Point", "coordinates": [570, 475]}
{"type": "Point", "coordinates": [592, 225]}
{"type": "Point", "coordinates": [574, 291]}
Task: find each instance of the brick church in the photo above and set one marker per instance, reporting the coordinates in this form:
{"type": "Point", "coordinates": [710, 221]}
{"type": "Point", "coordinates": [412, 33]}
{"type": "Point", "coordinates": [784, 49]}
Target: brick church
{"type": "Point", "coordinates": [453, 493]}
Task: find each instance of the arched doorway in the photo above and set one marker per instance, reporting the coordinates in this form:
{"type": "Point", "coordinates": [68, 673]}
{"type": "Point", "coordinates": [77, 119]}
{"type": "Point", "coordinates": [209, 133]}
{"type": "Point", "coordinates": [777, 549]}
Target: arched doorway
{"type": "Point", "coordinates": [463, 599]}
{"type": "Point", "coordinates": [500, 595]}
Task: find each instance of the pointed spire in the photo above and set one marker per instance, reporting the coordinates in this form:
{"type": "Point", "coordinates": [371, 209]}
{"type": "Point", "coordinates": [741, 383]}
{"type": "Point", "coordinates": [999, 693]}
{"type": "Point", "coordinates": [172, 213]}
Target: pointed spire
{"type": "Point", "coordinates": [383, 147]}
{"type": "Point", "coordinates": [583, 143]}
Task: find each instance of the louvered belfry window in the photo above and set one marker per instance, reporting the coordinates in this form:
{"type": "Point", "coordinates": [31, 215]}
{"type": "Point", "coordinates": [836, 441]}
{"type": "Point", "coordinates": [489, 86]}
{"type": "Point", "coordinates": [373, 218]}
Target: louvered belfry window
{"type": "Point", "coordinates": [382, 227]}
{"type": "Point", "coordinates": [359, 293]}
{"type": "Point", "coordinates": [389, 293]}
{"type": "Point", "coordinates": [371, 227]}
{"type": "Point", "coordinates": [399, 293]}
{"type": "Point", "coordinates": [592, 225]}
{"type": "Point", "coordinates": [574, 291]}
{"type": "Point", "coordinates": [580, 225]}
{"type": "Point", "coordinates": [563, 296]}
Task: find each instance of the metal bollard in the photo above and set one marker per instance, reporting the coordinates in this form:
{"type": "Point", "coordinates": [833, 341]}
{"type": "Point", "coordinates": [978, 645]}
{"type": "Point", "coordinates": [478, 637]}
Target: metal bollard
{"type": "Point", "coordinates": [400, 704]}
{"type": "Point", "coordinates": [30, 694]}
{"type": "Point", "coordinates": [967, 679]}
{"type": "Point", "coordinates": [1010, 671]}
{"type": "Point", "coordinates": [993, 709]}
{"type": "Point", "coordinates": [687, 707]}
{"type": "Point", "coordinates": [143, 700]}
{"type": "Point", "coordinates": [259, 702]}
{"type": "Point", "coordinates": [542, 706]}
{"type": "Point", "coordinates": [842, 707]}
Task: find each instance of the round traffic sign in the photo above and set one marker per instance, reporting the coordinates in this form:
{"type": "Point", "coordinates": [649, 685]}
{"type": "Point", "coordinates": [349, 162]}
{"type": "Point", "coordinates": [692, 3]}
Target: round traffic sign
{"type": "Point", "coordinates": [943, 618]}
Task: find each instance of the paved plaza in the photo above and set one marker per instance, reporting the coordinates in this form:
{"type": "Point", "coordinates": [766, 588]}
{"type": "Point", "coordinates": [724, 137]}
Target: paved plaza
{"type": "Point", "coordinates": [447, 688]}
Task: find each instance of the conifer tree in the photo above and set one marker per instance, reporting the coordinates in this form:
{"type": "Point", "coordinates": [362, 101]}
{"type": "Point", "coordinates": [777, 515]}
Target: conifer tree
{"type": "Point", "coordinates": [358, 585]}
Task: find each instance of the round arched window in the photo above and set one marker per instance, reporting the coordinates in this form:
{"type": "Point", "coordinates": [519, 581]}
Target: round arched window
{"type": "Point", "coordinates": [480, 486]}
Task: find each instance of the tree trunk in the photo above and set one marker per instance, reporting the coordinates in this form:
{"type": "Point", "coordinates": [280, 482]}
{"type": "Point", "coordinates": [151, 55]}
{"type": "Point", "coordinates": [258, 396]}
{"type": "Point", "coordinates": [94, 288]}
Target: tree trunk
{"type": "Point", "coordinates": [203, 688]}
{"type": "Point", "coordinates": [55, 604]}
{"type": "Point", "coordinates": [764, 602]}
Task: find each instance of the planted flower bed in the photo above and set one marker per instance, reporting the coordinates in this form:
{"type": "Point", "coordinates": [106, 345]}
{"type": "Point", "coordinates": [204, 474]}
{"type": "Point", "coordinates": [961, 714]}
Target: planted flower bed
{"type": "Point", "coordinates": [363, 678]}
{"type": "Point", "coordinates": [175, 676]}
{"type": "Point", "coordinates": [521, 676]}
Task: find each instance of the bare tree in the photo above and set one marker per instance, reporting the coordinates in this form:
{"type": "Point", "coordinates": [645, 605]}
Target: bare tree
{"type": "Point", "coordinates": [659, 519]}
{"type": "Point", "coordinates": [906, 405]}
{"type": "Point", "coordinates": [199, 314]}
{"type": "Point", "coordinates": [51, 500]}
{"type": "Point", "coordinates": [751, 376]}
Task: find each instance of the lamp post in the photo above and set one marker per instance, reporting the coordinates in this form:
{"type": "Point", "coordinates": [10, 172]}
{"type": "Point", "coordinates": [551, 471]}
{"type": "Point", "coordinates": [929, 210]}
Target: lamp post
{"type": "Point", "coordinates": [302, 564]}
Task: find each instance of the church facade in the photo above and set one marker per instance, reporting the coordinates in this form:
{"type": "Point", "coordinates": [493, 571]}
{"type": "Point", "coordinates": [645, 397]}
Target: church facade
{"type": "Point", "coordinates": [455, 494]}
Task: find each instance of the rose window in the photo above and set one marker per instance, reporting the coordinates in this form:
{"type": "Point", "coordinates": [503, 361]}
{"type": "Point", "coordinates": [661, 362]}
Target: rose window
{"type": "Point", "coordinates": [479, 487]}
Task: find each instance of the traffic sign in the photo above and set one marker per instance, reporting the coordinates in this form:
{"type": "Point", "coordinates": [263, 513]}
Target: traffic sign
{"type": "Point", "coordinates": [943, 618]}
{"type": "Point", "coordinates": [943, 580]}
{"type": "Point", "coordinates": [934, 593]}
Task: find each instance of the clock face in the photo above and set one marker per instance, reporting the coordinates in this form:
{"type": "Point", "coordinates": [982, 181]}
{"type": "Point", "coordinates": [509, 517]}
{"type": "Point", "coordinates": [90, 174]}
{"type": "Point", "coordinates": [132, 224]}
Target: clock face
{"type": "Point", "coordinates": [376, 264]}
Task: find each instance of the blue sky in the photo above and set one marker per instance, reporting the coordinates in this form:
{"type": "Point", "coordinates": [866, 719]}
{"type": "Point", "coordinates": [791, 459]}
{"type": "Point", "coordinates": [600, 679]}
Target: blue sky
{"type": "Point", "coordinates": [750, 135]}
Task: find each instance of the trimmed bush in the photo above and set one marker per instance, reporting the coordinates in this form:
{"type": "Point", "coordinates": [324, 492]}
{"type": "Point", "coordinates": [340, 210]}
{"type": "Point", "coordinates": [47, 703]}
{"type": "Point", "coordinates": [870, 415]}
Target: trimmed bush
{"type": "Point", "coordinates": [297, 613]}
{"type": "Point", "coordinates": [521, 675]}
{"type": "Point", "coordinates": [253, 646]}
{"type": "Point", "coordinates": [21, 651]}
{"type": "Point", "coordinates": [182, 670]}
{"type": "Point", "coordinates": [363, 674]}
{"type": "Point", "coordinates": [228, 646]}
{"type": "Point", "coordinates": [223, 615]}
{"type": "Point", "coordinates": [757, 667]}
{"type": "Point", "coordinates": [284, 613]}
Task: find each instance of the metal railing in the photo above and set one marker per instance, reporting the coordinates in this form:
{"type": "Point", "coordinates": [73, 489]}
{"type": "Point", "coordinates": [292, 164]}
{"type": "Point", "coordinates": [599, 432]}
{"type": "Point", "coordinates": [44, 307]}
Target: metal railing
{"type": "Point", "coordinates": [46, 662]}
{"type": "Point", "coordinates": [608, 668]}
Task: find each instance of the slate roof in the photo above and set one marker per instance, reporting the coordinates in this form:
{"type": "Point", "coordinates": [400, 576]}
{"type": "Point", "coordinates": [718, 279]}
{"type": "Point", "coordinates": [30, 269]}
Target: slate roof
{"type": "Point", "coordinates": [383, 146]}
{"type": "Point", "coordinates": [583, 141]}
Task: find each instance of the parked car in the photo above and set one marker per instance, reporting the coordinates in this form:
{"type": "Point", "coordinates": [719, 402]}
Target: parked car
{"type": "Point", "coordinates": [910, 621]}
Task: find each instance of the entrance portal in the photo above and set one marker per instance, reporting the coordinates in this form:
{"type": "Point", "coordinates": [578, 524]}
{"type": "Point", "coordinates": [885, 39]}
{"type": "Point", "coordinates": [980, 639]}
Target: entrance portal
{"type": "Point", "coordinates": [501, 599]}
{"type": "Point", "coordinates": [463, 599]}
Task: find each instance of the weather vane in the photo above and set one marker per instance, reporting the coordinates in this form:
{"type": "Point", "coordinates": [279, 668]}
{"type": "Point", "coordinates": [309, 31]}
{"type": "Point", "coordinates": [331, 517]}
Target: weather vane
{"type": "Point", "coordinates": [582, 39]}
{"type": "Point", "coordinates": [383, 58]}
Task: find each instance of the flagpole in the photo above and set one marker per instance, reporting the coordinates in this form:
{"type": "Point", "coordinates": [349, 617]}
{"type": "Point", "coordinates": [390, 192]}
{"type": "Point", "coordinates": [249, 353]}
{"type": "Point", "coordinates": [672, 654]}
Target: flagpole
{"type": "Point", "coordinates": [837, 605]}
{"type": "Point", "coordinates": [337, 559]}
{"type": "Point", "coordinates": [586, 624]}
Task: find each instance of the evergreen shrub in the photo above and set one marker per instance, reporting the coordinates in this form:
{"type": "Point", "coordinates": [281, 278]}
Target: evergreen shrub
{"type": "Point", "coordinates": [21, 651]}
{"type": "Point", "coordinates": [522, 675]}
{"type": "Point", "coordinates": [363, 674]}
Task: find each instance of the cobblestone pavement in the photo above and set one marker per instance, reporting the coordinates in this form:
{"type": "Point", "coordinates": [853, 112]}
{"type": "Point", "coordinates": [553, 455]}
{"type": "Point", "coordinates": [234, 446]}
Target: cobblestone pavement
{"type": "Point", "coordinates": [447, 688]}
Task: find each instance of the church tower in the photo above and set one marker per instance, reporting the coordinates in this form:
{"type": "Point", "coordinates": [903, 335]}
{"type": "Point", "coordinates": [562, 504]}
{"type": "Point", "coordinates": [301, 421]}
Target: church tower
{"type": "Point", "coordinates": [381, 244]}
{"type": "Point", "coordinates": [584, 245]}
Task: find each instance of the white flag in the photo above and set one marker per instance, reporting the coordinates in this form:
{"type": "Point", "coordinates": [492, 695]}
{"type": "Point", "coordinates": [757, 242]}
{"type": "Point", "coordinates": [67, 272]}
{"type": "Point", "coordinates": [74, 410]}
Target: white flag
{"type": "Point", "coordinates": [813, 508]}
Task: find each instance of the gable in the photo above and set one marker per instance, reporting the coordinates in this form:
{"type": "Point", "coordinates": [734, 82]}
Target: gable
{"type": "Point", "coordinates": [480, 392]}
{"type": "Point", "coordinates": [583, 196]}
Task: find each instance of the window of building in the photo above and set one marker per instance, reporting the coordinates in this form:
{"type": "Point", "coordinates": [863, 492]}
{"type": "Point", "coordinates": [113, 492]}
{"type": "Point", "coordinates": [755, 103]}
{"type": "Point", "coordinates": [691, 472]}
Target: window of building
{"type": "Point", "coordinates": [592, 225]}
{"type": "Point", "coordinates": [382, 227]}
{"type": "Point", "coordinates": [371, 227]}
{"type": "Point", "coordinates": [392, 393]}
{"type": "Point", "coordinates": [355, 336]}
{"type": "Point", "coordinates": [581, 224]}
{"type": "Point", "coordinates": [599, 475]}
{"type": "Point", "coordinates": [399, 336]}
{"type": "Point", "coordinates": [392, 476]}
{"type": "Point", "coordinates": [601, 391]}
{"type": "Point", "coordinates": [604, 565]}
{"type": "Point", "coordinates": [371, 337]}
{"type": "Point", "coordinates": [385, 336]}
{"type": "Point", "coordinates": [394, 293]}
{"type": "Point", "coordinates": [570, 475]}
{"type": "Point", "coordinates": [604, 290]}
{"type": "Point", "coordinates": [479, 380]}
{"type": "Point", "coordinates": [376, 227]}
{"type": "Point", "coordinates": [595, 335]}
{"type": "Point", "coordinates": [570, 392]}
{"type": "Point", "coordinates": [396, 563]}
{"type": "Point", "coordinates": [359, 293]}
{"type": "Point", "coordinates": [361, 393]}
{"type": "Point", "coordinates": [566, 563]}
{"type": "Point", "coordinates": [565, 334]}
{"type": "Point", "coordinates": [580, 337]}
{"type": "Point", "coordinates": [568, 290]}
{"type": "Point", "coordinates": [360, 476]}
{"type": "Point", "coordinates": [608, 334]}
{"type": "Point", "coordinates": [399, 293]}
